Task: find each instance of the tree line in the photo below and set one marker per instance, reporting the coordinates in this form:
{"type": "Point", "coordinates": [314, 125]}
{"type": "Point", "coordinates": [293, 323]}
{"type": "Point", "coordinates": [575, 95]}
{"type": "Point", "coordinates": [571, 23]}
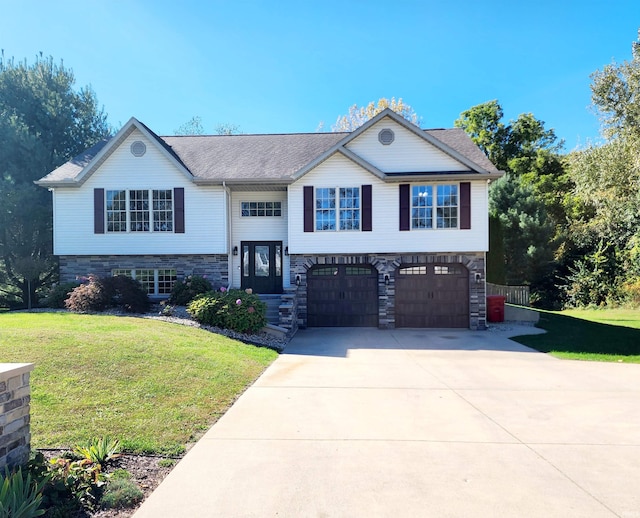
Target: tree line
{"type": "Point", "coordinates": [567, 224]}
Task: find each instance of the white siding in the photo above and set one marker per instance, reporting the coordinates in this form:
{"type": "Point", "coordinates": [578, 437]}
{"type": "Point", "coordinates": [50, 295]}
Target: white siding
{"type": "Point", "coordinates": [407, 153]}
{"type": "Point", "coordinates": [258, 228]}
{"type": "Point", "coordinates": [385, 237]}
{"type": "Point", "coordinates": [205, 215]}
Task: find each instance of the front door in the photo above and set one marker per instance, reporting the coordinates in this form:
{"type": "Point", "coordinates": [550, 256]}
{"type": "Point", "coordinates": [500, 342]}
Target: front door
{"type": "Point", "coordinates": [262, 266]}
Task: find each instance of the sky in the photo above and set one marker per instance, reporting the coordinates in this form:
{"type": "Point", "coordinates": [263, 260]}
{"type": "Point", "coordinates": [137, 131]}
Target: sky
{"type": "Point", "coordinates": [283, 66]}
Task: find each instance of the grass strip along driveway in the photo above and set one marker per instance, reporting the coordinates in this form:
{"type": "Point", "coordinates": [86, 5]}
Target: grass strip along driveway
{"type": "Point", "coordinates": [611, 335]}
{"type": "Point", "coordinates": [154, 385]}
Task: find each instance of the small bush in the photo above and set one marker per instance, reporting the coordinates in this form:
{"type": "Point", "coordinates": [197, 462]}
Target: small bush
{"type": "Point", "coordinates": [166, 463]}
{"type": "Point", "coordinates": [129, 294]}
{"type": "Point", "coordinates": [233, 309]}
{"type": "Point", "coordinates": [185, 290]}
{"type": "Point", "coordinates": [100, 293]}
{"type": "Point", "coordinates": [121, 493]}
{"type": "Point", "coordinates": [95, 295]}
{"type": "Point", "coordinates": [59, 294]}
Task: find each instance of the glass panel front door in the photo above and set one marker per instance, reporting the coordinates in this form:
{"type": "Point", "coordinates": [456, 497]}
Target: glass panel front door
{"type": "Point", "coordinates": [262, 266]}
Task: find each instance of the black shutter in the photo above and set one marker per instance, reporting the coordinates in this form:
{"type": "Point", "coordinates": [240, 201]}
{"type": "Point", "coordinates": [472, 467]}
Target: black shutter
{"type": "Point", "coordinates": [98, 211]}
{"type": "Point", "coordinates": [465, 205]}
{"type": "Point", "coordinates": [405, 206]}
{"type": "Point", "coordinates": [366, 208]}
{"type": "Point", "coordinates": [308, 208]}
{"type": "Point", "coordinates": [178, 210]}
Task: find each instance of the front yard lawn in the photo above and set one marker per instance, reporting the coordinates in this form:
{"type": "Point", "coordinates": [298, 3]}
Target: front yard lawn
{"type": "Point", "coordinates": [611, 335]}
{"type": "Point", "coordinates": [155, 386]}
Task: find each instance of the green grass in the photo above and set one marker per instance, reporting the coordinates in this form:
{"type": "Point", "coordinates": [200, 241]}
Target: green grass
{"type": "Point", "coordinates": [611, 335]}
{"type": "Point", "coordinates": [155, 386]}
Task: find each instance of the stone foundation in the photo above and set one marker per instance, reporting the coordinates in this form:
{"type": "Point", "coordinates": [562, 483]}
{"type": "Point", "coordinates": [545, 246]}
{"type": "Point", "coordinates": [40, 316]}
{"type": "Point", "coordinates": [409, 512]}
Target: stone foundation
{"type": "Point", "coordinates": [215, 267]}
{"type": "Point", "coordinates": [15, 396]}
{"type": "Point", "coordinates": [386, 265]}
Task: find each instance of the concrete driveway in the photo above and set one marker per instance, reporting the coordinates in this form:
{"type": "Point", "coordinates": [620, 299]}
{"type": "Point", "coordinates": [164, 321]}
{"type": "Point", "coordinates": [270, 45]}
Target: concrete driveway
{"type": "Point", "coordinates": [412, 423]}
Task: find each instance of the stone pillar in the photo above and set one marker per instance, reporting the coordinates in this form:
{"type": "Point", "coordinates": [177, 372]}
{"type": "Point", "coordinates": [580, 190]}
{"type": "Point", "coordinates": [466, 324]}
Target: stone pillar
{"type": "Point", "coordinates": [15, 396]}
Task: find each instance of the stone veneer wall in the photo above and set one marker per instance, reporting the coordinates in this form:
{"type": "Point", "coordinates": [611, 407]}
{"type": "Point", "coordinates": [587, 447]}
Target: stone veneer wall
{"type": "Point", "coordinates": [386, 265]}
{"type": "Point", "coordinates": [215, 267]}
{"type": "Point", "coordinates": [15, 397]}
{"type": "Point", "coordinates": [289, 310]}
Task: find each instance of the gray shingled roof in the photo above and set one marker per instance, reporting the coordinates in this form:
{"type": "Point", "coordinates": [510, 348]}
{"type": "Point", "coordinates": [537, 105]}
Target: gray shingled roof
{"type": "Point", "coordinates": [247, 157]}
{"type": "Point", "coordinates": [69, 170]}
{"type": "Point", "coordinates": [262, 158]}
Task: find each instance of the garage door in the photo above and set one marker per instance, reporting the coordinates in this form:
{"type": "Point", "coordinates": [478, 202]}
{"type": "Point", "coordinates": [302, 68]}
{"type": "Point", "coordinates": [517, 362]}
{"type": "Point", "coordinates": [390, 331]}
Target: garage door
{"type": "Point", "coordinates": [342, 296]}
{"type": "Point", "coordinates": [434, 295]}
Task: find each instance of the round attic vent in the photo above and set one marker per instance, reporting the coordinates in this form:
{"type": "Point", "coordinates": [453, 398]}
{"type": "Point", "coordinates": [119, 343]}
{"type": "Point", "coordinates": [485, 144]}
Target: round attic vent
{"type": "Point", "coordinates": [138, 148]}
{"type": "Point", "coordinates": [386, 136]}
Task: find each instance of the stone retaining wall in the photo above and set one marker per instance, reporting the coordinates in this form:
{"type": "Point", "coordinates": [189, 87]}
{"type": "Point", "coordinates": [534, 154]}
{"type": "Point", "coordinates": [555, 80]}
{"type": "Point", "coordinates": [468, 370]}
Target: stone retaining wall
{"type": "Point", "coordinates": [15, 397]}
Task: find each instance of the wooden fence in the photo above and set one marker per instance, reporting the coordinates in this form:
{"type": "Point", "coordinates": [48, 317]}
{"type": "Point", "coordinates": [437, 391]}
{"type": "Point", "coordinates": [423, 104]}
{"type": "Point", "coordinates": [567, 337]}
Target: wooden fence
{"type": "Point", "coordinates": [515, 294]}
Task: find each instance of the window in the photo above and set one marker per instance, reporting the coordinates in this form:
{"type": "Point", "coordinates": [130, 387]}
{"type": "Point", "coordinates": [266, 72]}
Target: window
{"type": "Point", "coordinates": [413, 270]}
{"type": "Point", "coordinates": [447, 206]}
{"type": "Point", "coordinates": [447, 270]}
{"type": "Point", "coordinates": [163, 211]}
{"type": "Point", "coordinates": [261, 208]}
{"type": "Point", "coordinates": [139, 211]}
{"type": "Point", "coordinates": [346, 216]}
{"type": "Point", "coordinates": [132, 211]}
{"type": "Point", "coordinates": [116, 211]}
{"type": "Point", "coordinates": [350, 208]}
{"type": "Point", "coordinates": [155, 282]}
{"type": "Point", "coordinates": [423, 204]}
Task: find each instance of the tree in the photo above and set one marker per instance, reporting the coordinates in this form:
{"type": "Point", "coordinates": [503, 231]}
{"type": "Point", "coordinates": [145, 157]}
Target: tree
{"type": "Point", "coordinates": [43, 123]}
{"type": "Point", "coordinates": [192, 127]}
{"type": "Point", "coordinates": [357, 116]}
{"type": "Point", "coordinates": [606, 223]}
{"type": "Point", "coordinates": [615, 93]}
{"type": "Point", "coordinates": [527, 211]}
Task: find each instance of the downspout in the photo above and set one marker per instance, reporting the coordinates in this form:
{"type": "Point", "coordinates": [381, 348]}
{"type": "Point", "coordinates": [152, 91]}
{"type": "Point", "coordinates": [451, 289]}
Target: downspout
{"type": "Point", "coordinates": [229, 234]}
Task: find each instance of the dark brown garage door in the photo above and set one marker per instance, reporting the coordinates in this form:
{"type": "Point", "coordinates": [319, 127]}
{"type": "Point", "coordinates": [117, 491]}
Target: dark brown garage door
{"type": "Point", "coordinates": [434, 295]}
{"type": "Point", "coordinates": [342, 296]}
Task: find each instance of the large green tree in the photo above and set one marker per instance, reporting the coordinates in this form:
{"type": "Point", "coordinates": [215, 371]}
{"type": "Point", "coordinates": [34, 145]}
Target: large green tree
{"type": "Point", "coordinates": [606, 221]}
{"type": "Point", "coordinates": [44, 121]}
{"type": "Point", "coordinates": [527, 211]}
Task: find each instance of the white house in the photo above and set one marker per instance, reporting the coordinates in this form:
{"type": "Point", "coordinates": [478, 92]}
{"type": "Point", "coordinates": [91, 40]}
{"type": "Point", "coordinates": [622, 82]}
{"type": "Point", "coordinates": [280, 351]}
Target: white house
{"type": "Point", "coordinates": [385, 226]}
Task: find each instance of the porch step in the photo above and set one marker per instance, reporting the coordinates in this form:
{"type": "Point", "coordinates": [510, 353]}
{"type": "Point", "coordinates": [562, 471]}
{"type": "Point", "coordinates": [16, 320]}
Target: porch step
{"type": "Point", "coordinates": [273, 302]}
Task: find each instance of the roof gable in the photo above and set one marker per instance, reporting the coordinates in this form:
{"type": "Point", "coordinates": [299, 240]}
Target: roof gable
{"type": "Point", "coordinates": [81, 168]}
{"type": "Point", "coordinates": [467, 165]}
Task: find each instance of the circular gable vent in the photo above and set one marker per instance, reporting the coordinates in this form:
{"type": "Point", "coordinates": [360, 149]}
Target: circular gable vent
{"type": "Point", "coordinates": [386, 136]}
{"type": "Point", "coordinates": [138, 148]}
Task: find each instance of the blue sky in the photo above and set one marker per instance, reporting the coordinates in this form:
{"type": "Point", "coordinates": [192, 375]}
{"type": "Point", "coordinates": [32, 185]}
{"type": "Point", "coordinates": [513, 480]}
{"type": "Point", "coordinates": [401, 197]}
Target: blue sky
{"type": "Point", "coordinates": [283, 66]}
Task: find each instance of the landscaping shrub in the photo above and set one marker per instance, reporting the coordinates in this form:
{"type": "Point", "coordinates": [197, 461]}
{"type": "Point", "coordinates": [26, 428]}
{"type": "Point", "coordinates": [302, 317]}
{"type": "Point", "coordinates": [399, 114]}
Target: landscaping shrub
{"type": "Point", "coordinates": [129, 294]}
{"type": "Point", "coordinates": [95, 295]}
{"type": "Point", "coordinates": [59, 294]}
{"type": "Point", "coordinates": [100, 293]}
{"type": "Point", "coordinates": [75, 480]}
{"type": "Point", "coordinates": [232, 309]}
{"type": "Point", "coordinates": [119, 493]}
{"type": "Point", "coordinates": [185, 290]}
{"type": "Point", "coordinates": [20, 495]}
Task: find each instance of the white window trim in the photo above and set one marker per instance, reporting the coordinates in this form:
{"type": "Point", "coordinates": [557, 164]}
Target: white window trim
{"type": "Point", "coordinates": [156, 278]}
{"type": "Point", "coordinates": [128, 212]}
{"type": "Point", "coordinates": [337, 209]}
{"type": "Point", "coordinates": [262, 201]}
{"type": "Point", "coordinates": [434, 206]}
